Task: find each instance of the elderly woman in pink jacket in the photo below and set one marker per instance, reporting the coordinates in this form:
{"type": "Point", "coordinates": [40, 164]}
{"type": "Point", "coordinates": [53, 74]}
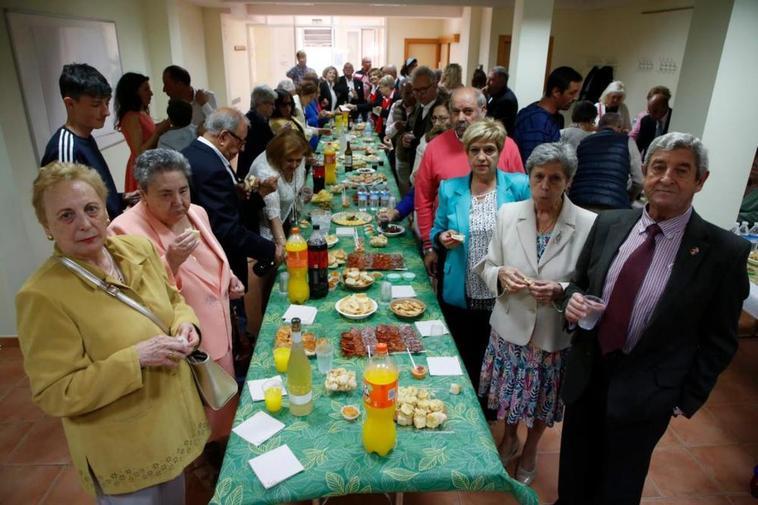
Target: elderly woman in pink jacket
{"type": "Point", "coordinates": [193, 257]}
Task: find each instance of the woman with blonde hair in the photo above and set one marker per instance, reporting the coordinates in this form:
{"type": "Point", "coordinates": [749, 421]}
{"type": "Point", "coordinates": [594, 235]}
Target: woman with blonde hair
{"type": "Point", "coordinates": [284, 158]}
{"type": "Point", "coordinates": [452, 77]}
{"type": "Point", "coordinates": [130, 410]}
{"type": "Point", "coordinates": [612, 100]}
{"type": "Point", "coordinates": [327, 96]}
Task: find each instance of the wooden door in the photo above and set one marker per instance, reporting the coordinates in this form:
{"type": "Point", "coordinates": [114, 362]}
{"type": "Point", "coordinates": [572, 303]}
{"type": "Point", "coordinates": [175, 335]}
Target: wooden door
{"type": "Point", "coordinates": [426, 51]}
{"type": "Point", "coordinates": [503, 50]}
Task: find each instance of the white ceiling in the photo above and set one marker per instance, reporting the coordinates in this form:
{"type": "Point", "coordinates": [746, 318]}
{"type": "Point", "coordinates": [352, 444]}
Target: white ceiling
{"type": "Point", "coordinates": [572, 4]}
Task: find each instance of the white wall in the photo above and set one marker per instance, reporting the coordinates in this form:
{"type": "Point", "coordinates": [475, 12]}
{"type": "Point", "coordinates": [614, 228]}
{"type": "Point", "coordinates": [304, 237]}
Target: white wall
{"type": "Point", "coordinates": [502, 24]}
{"type": "Point", "coordinates": [237, 63]}
{"type": "Point", "coordinates": [399, 29]}
{"type": "Point", "coordinates": [24, 246]}
{"type": "Point", "coordinates": [621, 37]}
{"type": "Point", "coordinates": [451, 26]}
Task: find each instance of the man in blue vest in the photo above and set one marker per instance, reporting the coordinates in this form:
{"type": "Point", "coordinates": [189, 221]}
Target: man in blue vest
{"type": "Point", "coordinates": [609, 174]}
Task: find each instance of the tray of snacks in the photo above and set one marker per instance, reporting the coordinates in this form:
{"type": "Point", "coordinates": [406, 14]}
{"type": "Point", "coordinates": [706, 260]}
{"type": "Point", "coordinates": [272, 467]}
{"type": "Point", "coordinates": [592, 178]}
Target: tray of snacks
{"type": "Point", "coordinates": [366, 179]}
{"type": "Point", "coordinates": [336, 258]}
{"type": "Point", "coordinates": [375, 261]}
{"type": "Point", "coordinates": [399, 339]}
{"type": "Point", "coordinates": [331, 240]}
{"type": "Point", "coordinates": [417, 407]}
{"type": "Point", "coordinates": [340, 380]}
{"type": "Point", "coordinates": [357, 280]}
{"type": "Point", "coordinates": [322, 196]}
{"type": "Point", "coordinates": [407, 307]}
{"type": "Point", "coordinates": [284, 339]}
{"type": "Point", "coordinates": [357, 306]}
{"type": "Point", "coordinates": [351, 218]}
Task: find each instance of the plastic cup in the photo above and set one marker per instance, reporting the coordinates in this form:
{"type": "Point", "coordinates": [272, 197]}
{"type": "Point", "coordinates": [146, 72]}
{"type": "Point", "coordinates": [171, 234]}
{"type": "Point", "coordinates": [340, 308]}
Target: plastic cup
{"type": "Point", "coordinates": [281, 358]}
{"type": "Point", "coordinates": [595, 309]}
{"type": "Point", "coordinates": [324, 356]}
{"type": "Point", "coordinates": [386, 292]}
{"type": "Point", "coordinates": [272, 395]}
{"type": "Point", "coordinates": [284, 278]}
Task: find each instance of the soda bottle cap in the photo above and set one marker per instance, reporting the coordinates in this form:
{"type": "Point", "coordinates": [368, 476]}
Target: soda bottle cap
{"type": "Point", "coordinates": [316, 227]}
{"type": "Point", "coordinates": [381, 348]}
{"type": "Point", "coordinates": [295, 229]}
{"type": "Point", "coordinates": [296, 325]}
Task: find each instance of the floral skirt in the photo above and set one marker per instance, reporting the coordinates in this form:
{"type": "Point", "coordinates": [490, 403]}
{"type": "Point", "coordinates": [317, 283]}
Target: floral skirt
{"type": "Point", "coordinates": [522, 382]}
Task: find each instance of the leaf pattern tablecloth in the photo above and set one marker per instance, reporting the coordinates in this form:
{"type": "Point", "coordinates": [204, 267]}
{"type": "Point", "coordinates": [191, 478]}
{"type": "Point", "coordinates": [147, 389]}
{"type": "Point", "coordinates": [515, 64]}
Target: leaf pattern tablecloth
{"type": "Point", "coordinates": [461, 455]}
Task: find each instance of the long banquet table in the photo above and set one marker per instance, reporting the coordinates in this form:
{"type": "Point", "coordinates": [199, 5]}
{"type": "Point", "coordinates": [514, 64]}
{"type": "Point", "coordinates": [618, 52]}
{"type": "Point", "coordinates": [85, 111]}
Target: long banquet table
{"type": "Point", "coordinates": [460, 455]}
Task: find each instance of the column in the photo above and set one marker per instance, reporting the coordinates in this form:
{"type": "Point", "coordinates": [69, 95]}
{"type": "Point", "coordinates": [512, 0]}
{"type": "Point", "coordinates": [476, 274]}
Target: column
{"type": "Point", "coordinates": [713, 100]}
{"type": "Point", "coordinates": [529, 46]}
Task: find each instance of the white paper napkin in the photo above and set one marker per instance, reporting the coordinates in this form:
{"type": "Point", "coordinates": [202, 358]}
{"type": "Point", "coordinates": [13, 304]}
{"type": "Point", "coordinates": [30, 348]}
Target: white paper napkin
{"type": "Point", "coordinates": [275, 466]}
{"type": "Point", "coordinates": [259, 428]}
{"type": "Point", "coordinates": [403, 292]}
{"type": "Point", "coordinates": [256, 387]}
{"type": "Point", "coordinates": [431, 328]}
{"type": "Point", "coordinates": [306, 313]}
{"type": "Point", "coordinates": [447, 365]}
{"type": "Point", "coordinates": [344, 231]}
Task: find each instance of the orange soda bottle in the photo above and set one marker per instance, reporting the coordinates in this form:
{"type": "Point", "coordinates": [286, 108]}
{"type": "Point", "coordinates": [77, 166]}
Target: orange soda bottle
{"type": "Point", "coordinates": [330, 165]}
{"type": "Point", "coordinates": [379, 400]}
{"type": "Point", "coordinates": [297, 267]}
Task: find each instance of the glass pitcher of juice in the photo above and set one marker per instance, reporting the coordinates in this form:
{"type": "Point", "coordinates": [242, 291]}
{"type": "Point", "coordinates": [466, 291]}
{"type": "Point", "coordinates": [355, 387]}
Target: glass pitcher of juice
{"type": "Point", "coordinates": [297, 267]}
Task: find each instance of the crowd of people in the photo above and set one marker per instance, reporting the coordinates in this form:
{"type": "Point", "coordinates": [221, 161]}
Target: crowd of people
{"type": "Point", "coordinates": [518, 218]}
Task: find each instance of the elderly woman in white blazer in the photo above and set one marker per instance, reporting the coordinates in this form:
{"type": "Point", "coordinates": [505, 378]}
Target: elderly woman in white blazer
{"type": "Point", "coordinates": [530, 259]}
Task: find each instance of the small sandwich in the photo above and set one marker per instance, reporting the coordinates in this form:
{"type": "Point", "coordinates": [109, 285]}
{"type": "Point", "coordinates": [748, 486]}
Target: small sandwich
{"type": "Point", "coordinates": [458, 237]}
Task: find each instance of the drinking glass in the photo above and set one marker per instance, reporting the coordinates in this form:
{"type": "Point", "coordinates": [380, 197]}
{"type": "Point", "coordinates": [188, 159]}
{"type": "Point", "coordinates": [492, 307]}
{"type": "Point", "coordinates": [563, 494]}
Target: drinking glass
{"type": "Point", "coordinates": [595, 309]}
{"type": "Point", "coordinates": [324, 356]}
{"type": "Point", "coordinates": [272, 395]}
{"type": "Point", "coordinates": [386, 292]}
{"type": "Point", "coordinates": [281, 358]}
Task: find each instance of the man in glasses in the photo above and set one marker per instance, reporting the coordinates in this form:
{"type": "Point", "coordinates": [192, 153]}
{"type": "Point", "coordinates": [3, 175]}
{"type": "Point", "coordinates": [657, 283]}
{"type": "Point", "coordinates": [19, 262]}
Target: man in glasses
{"type": "Point", "coordinates": [259, 134]}
{"type": "Point", "coordinates": [425, 89]}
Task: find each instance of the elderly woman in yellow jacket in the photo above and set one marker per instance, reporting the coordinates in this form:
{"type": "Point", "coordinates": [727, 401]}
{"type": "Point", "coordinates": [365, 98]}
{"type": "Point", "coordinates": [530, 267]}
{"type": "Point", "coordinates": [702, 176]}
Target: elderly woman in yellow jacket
{"type": "Point", "coordinates": [132, 416]}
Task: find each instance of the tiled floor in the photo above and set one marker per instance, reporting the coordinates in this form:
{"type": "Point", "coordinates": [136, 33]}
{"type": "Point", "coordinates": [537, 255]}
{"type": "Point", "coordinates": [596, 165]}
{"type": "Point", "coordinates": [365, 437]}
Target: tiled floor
{"type": "Point", "coordinates": [707, 460]}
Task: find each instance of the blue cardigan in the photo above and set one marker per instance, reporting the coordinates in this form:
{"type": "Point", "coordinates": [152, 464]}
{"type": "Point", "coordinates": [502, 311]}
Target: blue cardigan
{"type": "Point", "coordinates": [453, 214]}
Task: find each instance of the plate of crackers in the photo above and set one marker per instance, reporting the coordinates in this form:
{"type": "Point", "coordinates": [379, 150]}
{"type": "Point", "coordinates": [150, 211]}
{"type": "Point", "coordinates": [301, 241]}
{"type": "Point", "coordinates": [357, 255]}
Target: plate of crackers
{"type": "Point", "coordinates": [331, 240]}
{"type": "Point", "coordinates": [407, 307]}
{"type": "Point", "coordinates": [351, 218]}
{"type": "Point", "coordinates": [283, 338]}
{"type": "Point", "coordinates": [357, 306]}
{"type": "Point", "coordinates": [357, 280]}
{"type": "Point", "coordinates": [336, 258]}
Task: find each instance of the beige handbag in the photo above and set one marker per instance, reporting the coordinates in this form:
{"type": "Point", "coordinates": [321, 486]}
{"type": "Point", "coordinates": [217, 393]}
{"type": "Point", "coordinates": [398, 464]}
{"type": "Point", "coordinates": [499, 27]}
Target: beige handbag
{"type": "Point", "coordinates": [216, 387]}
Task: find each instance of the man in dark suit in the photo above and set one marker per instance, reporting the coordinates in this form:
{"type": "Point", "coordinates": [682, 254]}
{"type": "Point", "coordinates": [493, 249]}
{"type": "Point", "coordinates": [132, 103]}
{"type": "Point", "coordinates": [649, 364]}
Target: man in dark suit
{"type": "Point", "coordinates": [349, 88]}
{"type": "Point", "coordinates": [673, 286]}
{"type": "Point", "coordinates": [656, 123]}
{"type": "Point", "coordinates": [426, 91]}
{"type": "Point", "coordinates": [215, 188]}
{"type": "Point", "coordinates": [259, 134]}
{"type": "Point", "coordinates": [501, 102]}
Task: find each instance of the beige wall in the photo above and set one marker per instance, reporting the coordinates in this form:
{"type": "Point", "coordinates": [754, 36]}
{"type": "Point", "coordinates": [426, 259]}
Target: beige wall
{"type": "Point", "coordinates": [399, 29]}
{"type": "Point", "coordinates": [236, 63]}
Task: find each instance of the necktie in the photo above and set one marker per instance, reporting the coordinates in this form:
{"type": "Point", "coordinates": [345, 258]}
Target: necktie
{"type": "Point", "coordinates": [615, 323]}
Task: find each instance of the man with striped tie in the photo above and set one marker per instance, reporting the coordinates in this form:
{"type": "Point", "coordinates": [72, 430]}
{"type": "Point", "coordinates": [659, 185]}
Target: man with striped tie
{"type": "Point", "coordinates": [672, 285]}
{"type": "Point", "coordinates": [86, 95]}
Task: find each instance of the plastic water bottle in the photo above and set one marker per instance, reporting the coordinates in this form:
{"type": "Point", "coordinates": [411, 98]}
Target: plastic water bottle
{"type": "Point", "coordinates": [744, 229]}
{"type": "Point", "coordinates": [373, 200]}
{"type": "Point", "coordinates": [362, 199]}
{"type": "Point", "coordinates": [736, 228]}
{"type": "Point", "coordinates": [384, 197]}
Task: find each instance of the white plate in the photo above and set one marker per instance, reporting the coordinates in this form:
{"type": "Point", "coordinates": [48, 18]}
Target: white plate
{"type": "Point", "coordinates": [331, 241]}
{"type": "Point", "coordinates": [395, 233]}
{"type": "Point", "coordinates": [354, 316]}
{"type": "Point", "coordinates": [364, 170]}
{"type": "Point", "coordinates": [364, 217]}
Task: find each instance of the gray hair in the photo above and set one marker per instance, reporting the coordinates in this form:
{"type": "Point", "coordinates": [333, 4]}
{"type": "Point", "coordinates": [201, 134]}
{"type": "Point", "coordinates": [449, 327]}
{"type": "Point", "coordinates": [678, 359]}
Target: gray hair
{"type": "Point", "coordinates": [387, 81]}
{"type": "Point", "coordinates": [156, 161]}
{"type": "Point", "coordinates": [481, 100]}
{"type": "Point", "coordinates": [613, 87]}
{"type": "Point", "coordinates": [501, 71]}
{"type": "Point", "coordinates": [610, 119]}
{"type": "Point", "coordinates": [424, 71]}
{"type": "Point", "coordinates": [551, 152]}
{"type": "Point", "coordinates": [287, 85]}
{"type": "Point", "coordinates": [224, 118]}
{"type": "Point", "coordinates": [261, 94]}
{"type": "Point", "coordinates": [677, 140]}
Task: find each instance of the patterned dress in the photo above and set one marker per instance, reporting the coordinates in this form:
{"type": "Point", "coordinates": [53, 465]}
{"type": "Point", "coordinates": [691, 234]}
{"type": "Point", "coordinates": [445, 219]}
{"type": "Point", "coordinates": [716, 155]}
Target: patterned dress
{"type": "Point", "coordinates": [521, 382]}
{"type": "Point", "coordinates": [482, 222]}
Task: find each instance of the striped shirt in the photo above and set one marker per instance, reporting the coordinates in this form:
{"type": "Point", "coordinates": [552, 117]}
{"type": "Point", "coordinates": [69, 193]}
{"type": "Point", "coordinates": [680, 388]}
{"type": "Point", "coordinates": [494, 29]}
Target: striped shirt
{"type": "Point", "coordinates": [67, 147]}
{"type": "Point", "coordinates": [666, 246]}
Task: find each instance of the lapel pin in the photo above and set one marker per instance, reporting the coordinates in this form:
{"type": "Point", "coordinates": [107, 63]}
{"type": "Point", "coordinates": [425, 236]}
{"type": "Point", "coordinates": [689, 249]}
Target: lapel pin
{"type": "Point", "coordinates": [694, 251]}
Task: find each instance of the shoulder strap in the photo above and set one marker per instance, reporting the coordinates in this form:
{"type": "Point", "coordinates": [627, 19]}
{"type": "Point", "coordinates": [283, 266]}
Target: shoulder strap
{"type": "Point", "coordinates": [113, 291]}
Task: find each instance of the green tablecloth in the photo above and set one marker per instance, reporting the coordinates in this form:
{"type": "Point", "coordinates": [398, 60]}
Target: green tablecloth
{"type": "Point", "coordinates": [459, 456]}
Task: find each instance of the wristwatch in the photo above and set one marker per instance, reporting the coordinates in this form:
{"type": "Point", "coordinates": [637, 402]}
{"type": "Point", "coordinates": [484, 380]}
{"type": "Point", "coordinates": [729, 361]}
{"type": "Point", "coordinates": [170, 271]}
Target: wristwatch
{"type": "Point", "coordinates": [428, 249]}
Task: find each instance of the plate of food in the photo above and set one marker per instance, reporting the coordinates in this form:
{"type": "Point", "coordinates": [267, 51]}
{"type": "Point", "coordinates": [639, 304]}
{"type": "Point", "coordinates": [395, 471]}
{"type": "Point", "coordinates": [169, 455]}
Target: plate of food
{"type": "Point", "coordinates": [407, 307]}
{"type": "Point", "coordinates": [331, 240]}
{"type": "Point", "coordinates": [365, 170]}
{"type": "Point", "coordinates": [340, 380]}
{"type": "Point", "coordinates": [351, 218]}
{"type": "Point", "coordinates": [372, 158]}
{"type": "Point", "coordinates": [283, 338]}
{"type": "Point", "coordinates": [378, 241]}
{"type": "Point", "coordinates": [336, 258]}
{"type": "Point", "coordinates": [393, 230]}
{"type": "Point", "coordinates": [357, 306]}
{"type": "Point", "coordinates": [366, 179]}
{"type": "Point", "coordinates": [356, 280]}
{"type": "Point", "coordinates": [350, 412]}
{"type": "Point", "coordinates": [333, 280]}
{"type": "Point", "coordinates": [417, 407]}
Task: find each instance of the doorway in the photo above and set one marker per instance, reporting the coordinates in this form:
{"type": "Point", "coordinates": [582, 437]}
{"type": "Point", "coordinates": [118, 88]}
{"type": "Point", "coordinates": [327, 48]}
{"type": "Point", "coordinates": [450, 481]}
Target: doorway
{"type": "Point", "coordinates": [504, 53]}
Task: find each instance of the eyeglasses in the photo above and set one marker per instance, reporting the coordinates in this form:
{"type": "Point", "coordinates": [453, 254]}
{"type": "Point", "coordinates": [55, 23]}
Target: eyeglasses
{"type": "Point", "coordinates": [240, 140]}
{"type": "Point", "coordinates": [422, 90]}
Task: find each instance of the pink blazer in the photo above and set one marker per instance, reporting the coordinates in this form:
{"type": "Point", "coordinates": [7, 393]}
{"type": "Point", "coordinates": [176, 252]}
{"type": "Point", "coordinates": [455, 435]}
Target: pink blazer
{"type": "Point", "coordinates": [206, 292]}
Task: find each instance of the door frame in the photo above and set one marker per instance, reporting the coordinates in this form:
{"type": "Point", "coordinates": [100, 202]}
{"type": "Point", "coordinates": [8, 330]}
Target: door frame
{"type": "Point", "coordinates": [438, 42]}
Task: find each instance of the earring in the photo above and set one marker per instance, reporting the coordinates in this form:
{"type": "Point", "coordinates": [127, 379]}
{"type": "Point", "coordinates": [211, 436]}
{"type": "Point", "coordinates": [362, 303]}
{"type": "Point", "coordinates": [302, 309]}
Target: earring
{"type": "Point", "coordinates": [49, 237]}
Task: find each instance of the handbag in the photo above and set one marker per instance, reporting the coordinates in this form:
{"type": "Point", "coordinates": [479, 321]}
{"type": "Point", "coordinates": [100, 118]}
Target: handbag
{"type": "Point", "coordinates": [215, 385]}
